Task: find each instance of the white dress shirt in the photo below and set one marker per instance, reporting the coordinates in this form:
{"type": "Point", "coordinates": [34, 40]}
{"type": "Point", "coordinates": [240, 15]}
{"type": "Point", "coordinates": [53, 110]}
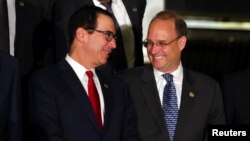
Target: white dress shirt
{"type": "Point", "coordinates": [12, 24]}
{"type": "Point", "coordinates": [80, 72]}
{"type": "Point", "coordinates": [177, 78]}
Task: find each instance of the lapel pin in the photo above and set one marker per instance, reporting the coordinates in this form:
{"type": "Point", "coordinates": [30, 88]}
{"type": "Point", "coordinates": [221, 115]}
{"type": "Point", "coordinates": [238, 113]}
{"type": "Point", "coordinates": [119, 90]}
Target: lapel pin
{"type": "Point", "coordinates": [106, 85]}
{"type": "Point", "coordinates": [191, 94]}
{"type": "Point", "coordinates": [21, 3]}
{"type": "Point", "coordinates": [134, 9]}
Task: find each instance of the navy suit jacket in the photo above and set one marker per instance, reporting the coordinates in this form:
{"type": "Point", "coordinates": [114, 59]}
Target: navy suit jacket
{"type": "Point", "coordinates": [236, 92]}
{"type": "Point", "coordinates": [58, 12]}
{"type": "Point", "coordinates": [201, 105]}
{"type": "Point", "coordinates": [10, 101]}
{"type": "Point", "coordinates": [60, 109]}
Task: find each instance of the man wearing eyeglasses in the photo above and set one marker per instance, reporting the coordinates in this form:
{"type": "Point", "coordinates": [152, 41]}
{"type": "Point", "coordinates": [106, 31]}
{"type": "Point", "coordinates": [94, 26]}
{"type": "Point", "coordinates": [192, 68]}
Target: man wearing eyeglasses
{"type": "Point", "coordinates": [55, 14]}
{"type": "Point", "coordinates": [73, 100]}
{"type": "Point", "coordinates": [172, 102]}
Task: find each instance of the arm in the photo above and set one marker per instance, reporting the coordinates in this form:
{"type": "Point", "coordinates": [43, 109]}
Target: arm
{"type": "Point", "coordinates": [228, 97]}
{"type": "Point", "coordinates": [217, 115]}
{"type": "Point", "coordinates": [130, 125]}
{"type": "Point", "coordinates": [14, 129]}
{"type": "Point", "coordinates": [44, 115]}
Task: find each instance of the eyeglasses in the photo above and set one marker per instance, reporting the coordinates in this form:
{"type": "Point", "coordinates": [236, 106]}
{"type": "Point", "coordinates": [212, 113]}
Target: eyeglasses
{"type": "Point", "coordinates": [108, 34]}
{"type": "Point", "coordinates": [148, 43]}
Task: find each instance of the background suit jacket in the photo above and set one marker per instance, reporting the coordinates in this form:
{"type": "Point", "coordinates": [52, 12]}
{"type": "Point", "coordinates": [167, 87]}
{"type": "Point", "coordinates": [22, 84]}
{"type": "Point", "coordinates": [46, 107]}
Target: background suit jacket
{"type": "Point", "coordinates": [61, 111]}
{"type": "Point", "coordinates": [10, 109]}
{"type": "Point", "coordinates": [201, 104]}
{"type": "Point", "coordinates": [26, 20]}
{"type": "Point", "coordinates": [236, 92]}
{"type": "Point", "coordinates": [55, 15]}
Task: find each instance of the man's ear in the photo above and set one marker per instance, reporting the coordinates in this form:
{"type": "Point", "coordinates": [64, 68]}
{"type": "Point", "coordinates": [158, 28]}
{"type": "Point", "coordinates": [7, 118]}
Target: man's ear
{"type": "Point", "coordinates": [182, 42]}
{"type": "Point", "coordinates": [81, 34]}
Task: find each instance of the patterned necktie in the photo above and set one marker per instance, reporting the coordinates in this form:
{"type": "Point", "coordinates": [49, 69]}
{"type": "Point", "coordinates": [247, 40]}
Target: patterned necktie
{"type": "Point", "coordinates": [94, 98]}
{"type": "Point", "coordinates": [4, 27]}
{"type": "Point", "coordinates": [170, 106]}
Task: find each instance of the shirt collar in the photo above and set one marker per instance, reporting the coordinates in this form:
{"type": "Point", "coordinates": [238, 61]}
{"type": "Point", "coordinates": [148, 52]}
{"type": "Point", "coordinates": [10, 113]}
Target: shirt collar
{"type": "Point", "coordinates": [177, 74]}
{"type": "Point", "coordinates": [98, 4]}
{"type": "Point", "coordinates": [78, 68]}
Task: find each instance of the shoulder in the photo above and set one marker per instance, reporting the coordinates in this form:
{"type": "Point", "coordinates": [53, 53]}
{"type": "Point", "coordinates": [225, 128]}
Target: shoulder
{"type": "Point", "coordinates": [111, 79]}
{"type": "Point", "coordinates": [238, 76]}
{"type": "Point", "coordinates": [237, 79]}
{"type": "Point", "coordinates": [198, 78]}
{"type": "Point", "coordinates": [134, 72]}
{"type": "Point", "coordinates": [8, 64]}
{"type": "Point", "coordinates": [7, 60]}
{"type": "Point", "coordinates": [48, 73]}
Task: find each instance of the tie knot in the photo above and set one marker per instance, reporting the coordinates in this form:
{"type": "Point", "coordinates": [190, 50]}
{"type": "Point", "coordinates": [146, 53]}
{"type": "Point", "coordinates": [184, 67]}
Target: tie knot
{"type": "Point", "coordinates": [168, 77]}
{"type": "Point", "coordinates": [106, 2]}
{"type": "Point", "coordinates": [89, 74]}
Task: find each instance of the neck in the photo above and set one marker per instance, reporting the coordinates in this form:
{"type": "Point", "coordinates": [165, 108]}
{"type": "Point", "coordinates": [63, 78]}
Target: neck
{"type": "Point", "coordinates": [80, 56]}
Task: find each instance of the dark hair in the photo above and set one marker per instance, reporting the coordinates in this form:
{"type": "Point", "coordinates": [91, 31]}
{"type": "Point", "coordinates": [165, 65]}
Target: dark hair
{"type": "Point", "coordinates": [180, 24]}
{"type": "Point", "coordinates": [85, 17]}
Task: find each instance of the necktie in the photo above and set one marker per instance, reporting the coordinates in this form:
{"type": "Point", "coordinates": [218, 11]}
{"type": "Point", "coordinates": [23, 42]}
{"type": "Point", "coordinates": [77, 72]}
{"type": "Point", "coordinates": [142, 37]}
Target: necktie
{"type": "Point", "coordinates": [4, 26]}
{"type": "Point", "coordinates": [170, 106]}
{"type": "Point", "coordinates": [108, 6]}
{"type": "Point", "coordinates": [94, 98]}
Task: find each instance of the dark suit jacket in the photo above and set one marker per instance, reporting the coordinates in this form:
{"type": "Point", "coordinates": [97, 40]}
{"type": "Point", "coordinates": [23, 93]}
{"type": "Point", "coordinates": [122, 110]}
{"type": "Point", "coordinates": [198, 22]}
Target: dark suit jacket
{"type": "Point", "coordinates": [196, 112]}
{"type": "Point", "coordinates": [58, 12]}
{"type": "Point", "coordinates": [61, 111]}
{"type": "Point", "coordinates": [236, 92]}
{"type": "Point", "coordinates": [10, 109]}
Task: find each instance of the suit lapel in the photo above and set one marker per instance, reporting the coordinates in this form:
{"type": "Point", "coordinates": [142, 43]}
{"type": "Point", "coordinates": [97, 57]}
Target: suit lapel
{"type": "Point", "coordinates": [108, 98]}
{"type": "Point", "coordinates": [5, 78]}
{"type": "Point", "coordinates": [150, 92]}
{"type": "Point", "coordinates": [187, 101]}
{"type": "Point", "coordinates": [2, 84]}
{"type": "Point", "coordinates": [78, 91]}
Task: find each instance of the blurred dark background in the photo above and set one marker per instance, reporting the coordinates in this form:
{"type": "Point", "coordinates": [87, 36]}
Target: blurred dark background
{"type": "Point", "coordinates": [215, 50]}
{"type": "Point", "coordinates": [225, 9]}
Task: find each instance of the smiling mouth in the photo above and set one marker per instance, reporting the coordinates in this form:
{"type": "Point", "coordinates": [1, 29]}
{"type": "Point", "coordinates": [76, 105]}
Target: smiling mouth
{"type": "Point", "coordinates": [107, 51]}
{"type": "Point", "coordinates": [158, 57]}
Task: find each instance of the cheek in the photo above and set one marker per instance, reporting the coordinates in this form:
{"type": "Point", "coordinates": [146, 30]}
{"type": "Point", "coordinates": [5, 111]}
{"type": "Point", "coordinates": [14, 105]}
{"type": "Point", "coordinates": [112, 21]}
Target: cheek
{"type": "Point", "coordinates": [174, 56]}
{"type": "Point", "coordinates": [150, 52]}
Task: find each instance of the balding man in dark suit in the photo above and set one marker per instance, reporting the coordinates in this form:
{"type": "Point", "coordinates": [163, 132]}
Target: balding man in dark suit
{"type": "Point", "coordinates": [194, 97]}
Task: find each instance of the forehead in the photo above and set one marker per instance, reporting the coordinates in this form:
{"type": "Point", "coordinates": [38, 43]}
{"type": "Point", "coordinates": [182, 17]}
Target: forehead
{"type": "Point", "coordinates": [105, 22]}
{"type": "Point", "coordinates": [162, 27]}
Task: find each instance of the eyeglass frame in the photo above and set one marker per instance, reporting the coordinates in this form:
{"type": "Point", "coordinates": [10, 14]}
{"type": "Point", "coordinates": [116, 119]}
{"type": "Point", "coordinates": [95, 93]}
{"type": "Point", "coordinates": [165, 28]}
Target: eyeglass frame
{"type": "Point", "coordinates": [108, 34]}
{"type": "Point", "coordinates": [160, 43]}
